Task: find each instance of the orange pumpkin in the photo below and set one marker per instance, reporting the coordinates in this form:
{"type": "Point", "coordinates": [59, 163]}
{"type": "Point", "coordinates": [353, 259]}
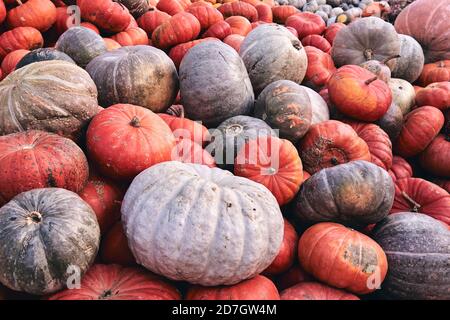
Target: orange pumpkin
{"type": "Point", "coordinates": [2, 11]}
{"type": "Point", "coordinates": [320, 68]}
{"type": "Point", "coordinates": [172, 7]}
{"type": "Point", "coordinates": [114, 247]}
{"type": "Point", "coordinates": [436, 95]}
{"type": "Point", "coordinates": [272, 162]}
{"type": "Point", "coordinates": [331, 32]}
{"type": "Point", "coordinates": [219, 30]}
{"type": "Point", "coordinates": [151, 20]}
{"type": "Point", "coordinates": [179, 51]}
{"type": "Point", "coordinates": [39, 14]}
{"type": "Point", "coordinates": [131, 37]}
{"type": "Point", "coordinates": [264, 13]}
{"type": "Point", "coordinates": [239, 25]}
{"type": "Point", "coordinates": [234, 41]}
{"type": "Point", "coordinates": [435, 72]}
{"type": "Point", "coordinates": [436, 157]}
{"type": "Point", "coordinates": [342, 257]}
{"type": "Point", "coordinates": [239, 8]}
{"type": "Point", "coordinates": [400, 169]}
{"type": "Point", "coordinates": [11, 60]}
{"type": "Point", "coordinates": [180, 28]}
{"type": "Point", "coordinates": [91, 26]}
{"type": "Point", "coordinates": [317, 41]}
{"type": "Point", "coordinates": [281, 13]}
{"type": "Point", "coordinates": [206, 15]}
{"type": "Point", "coordinates": [27, 38]}
{"type": "Point", "coordinates": [293, 276]}
{"type": "Point", "coordinates": [188, 151]}
{"type": "Point", "coordinates": [111, 44]}
{"type": "Point", "coordinates": [357, 93]}
{"type": "Point", "coordinates": [108, 15]}
{"type": "Point", "coordinates": [315, 291]}
{"type": "Point", "coordinates": [306, 23]}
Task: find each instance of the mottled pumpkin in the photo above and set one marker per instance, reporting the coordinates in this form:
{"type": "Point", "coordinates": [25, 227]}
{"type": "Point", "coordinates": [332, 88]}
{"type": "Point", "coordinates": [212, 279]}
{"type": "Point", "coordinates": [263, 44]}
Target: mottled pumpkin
{"type": "Point", "coordinates": [315, 291]}
{"type": "Point", "coordinates": [410, 63]}
{"type": "Point", "coordinates": [403, 94]}
{"type": "Point", "coordinates": [392, 121]}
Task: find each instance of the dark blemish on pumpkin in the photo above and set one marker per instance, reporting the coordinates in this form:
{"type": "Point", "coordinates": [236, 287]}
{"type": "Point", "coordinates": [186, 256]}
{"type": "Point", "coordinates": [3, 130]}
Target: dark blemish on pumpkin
{"type": "Point", "coordinates": [334, 161]}
{"type": "Point", "coordinates": [12, 219]}
{"type": "Point", "coordinates": [364, 258]}
{"type": "Point", "coordinates": [229, 205]}
{"type": "Point", "coordinates": [51, 180]}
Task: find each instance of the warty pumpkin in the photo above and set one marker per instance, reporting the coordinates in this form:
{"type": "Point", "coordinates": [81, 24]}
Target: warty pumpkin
{"type": "Point", "coordinates": [39, 14]}
{"type": "Point", "coordinates": [315, 291]}
{"type": "Point", "coordinates": [180, 28]}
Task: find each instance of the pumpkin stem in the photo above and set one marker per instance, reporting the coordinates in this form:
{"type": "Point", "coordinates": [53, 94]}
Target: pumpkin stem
{"type": "Point", "coordinates": [368, 54]}
{"type": "Point", "coordinates": [34, 217]}
{"type": "Point", "coordinates": [441, 64]}
{"type": "Point", "coordinates": [411, 201]}
{"type": "Point", "coordinates": [135, 122]}
{"type": "Point", "coordinates": [19, 2]}
{"type": "Point", "coordinates": [391, 58]}
{"type": "Point", "coordinates": [176, 110]}
{"type": "Point", "coordinates": [369, 81]}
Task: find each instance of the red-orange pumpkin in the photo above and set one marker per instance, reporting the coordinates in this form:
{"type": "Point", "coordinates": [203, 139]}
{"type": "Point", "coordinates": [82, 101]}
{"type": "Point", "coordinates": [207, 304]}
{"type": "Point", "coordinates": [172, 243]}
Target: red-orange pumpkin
{"type": "Point", "coordinates": [206, 15]}
{"type": "Point", "coordinates": [111, 44]}
{"type": "Point", "coordinates": [39, 14]}
{"type": "Point", "coordinates": [91, 26]}
{"type": "Point", "coordinates": [444, 184]}
{"type": "Point", "coordinates": [272, 162]}
{"type": "Point", "coordinates": [11, 60]}
{"type": "Point", "coordinates": [178, 52]}
{"type": "Point", "coordinates": [293, 276]}
{"type": "Point", "coordinates": [357, 93]}
{"type": "Point", "coordinates": [315, 291]}
{"type": "Point", "coordinates": [264, 13]}
{"type": "Point", "coordinates": [234, 41]}
{"type": "Point", "coordinates": [114, 247]}
{"type": "Point", "coordinates": [239, 8]}
{"type": "Point", "coordinates": [435, 72]}
{"type": "Point", "coordinates": [420, 127]}
{"type": "Point", "coordinates": [281, 13]}
{"type": "Point", "coordinates": [306, 23]}
{"type": "Point", "coordinates": [37, 159]}
{"type": "Point", "coordinates": [131, 37]}
{"type": "Point", "coordinates": [27, 38]}
{"type": "Point", "coordinates": [180, 28]}
{"type": "Point", "coordinates": [288, 251]}
{"type": "Point", "coordinates": [331, 143]}
{"type": "Point", "coordinates": [239, 25]}
{"type": "Point", "coordinates": [2, 11]}
{"type": "Point", "coordinates": [418, 195]}
{"type": "Point", "coordinates": [317, 41]}
{"type": "Point", "coordinates": [124, 140]}
{"type": "Point", "coordinates": [436, 157]}
{"type": "Point", "coordinates": [257, 288]}
{"type": "Point", "coordinates": [320, 68]}
{"type": "Point", "coordinates": [151, 20]}
{"type": "Point", "coordinates": [115, 282]}
{"type": "Point", "coordinates": [342, 257]}
{"type": "Point", "coordinates": [400, 169]}
{"type": "Point", "coordinates": [188, 151]}
{"type": "Point", "coordinates": [172, 7]}
{"type": "Point", "coordinates": [219, 30]}
{"type": "Point", "coordinates": [436, 95]}
{"type": "Point", "coordinates": [293, 31]}
{"type": "Point", "coordinates": [108, 15]}
{"type": "Point", "coordinates": [331, 32]}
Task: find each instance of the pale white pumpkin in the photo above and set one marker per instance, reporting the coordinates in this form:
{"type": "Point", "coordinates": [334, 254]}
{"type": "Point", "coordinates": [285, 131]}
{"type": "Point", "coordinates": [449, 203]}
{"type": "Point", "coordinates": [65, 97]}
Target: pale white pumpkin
{"type": "Point", "coordinates": [320, 111]}
{"type": "Point", "coordinates": [403, 94]}
{"type": "Point", "coordinates": [203, 225]}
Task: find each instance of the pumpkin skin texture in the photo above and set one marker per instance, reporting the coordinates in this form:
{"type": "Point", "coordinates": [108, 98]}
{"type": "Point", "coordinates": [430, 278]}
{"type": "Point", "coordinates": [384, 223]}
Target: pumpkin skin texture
{"type": "Point", "coordinates": [172, 7]}
{"type": "Point", "coordinates": [365, 39]}
{"type": "Point", "coordinates": [370, 98]}
{"type": "Point", "coordinates": [420, 127]}
{"type": "Point", "coordinates": [257, 52]}
{"type": "Point", "coordinates": [43, 54]}
{"type": "Point", "coordinates": [140, 75]}
{"type": "Point", "coordinates": [342, 257]}
{"type": "Point", "coordinates": [207, 16]}
{"type": "Point", "coordinates": [320, 111]}
{"type": "Point", "coordinates": [274, 163]}
{"type": "Point", "coordinates": [293, 276]}
{"type": "Point", "coordinates": [36, 159]}
{"type": "Point", "coordinates": [392, 121]}
{"type": "Point", "coordinates": [319, 42]}
{"type": "Point", "coordinates": [284, 105]}
{"type": "Point", "coordinates": [281, 13]}
{"type": "Point", "coordinates": [27, 38]}
{"type": "Point", "coordinates": [115, 282]}
{"type": "Point", "coordinates": [363, 197]}
{"type": "Point", "coordinates": [30, 218]}
{"type": "Point", "coordinates": [410, 63]}
{"type": "Point", "coordinates": [182, 184]}
{"type": "Point", "coordinates": [264, 13]}
{"type": "Point", "coordinates": [39, 14]}
{"type": "Point", "coordinates": [427, 23]}
{"type": "Point", "coordinates": [234, 41]}
{"type": "Point", "coordinates": [213, 90]}
{"type": "Point", "coordinates": [306, 23]}
{"type": "Point", "coordinates": [131, 37]}
{"type": "Point", "coordinates": [114, 248]}
{"type": "Point", "coordinates": [400, 169]}
{"type": "Point", "coordinates": [219, 30]}
{"type": "Point", "coordinates": [436, 95]}
{"type": "Point", "coordinates": [331, 31]}
{"type": "Point", "coordinates": [418, 251]}
{"type": "Point", "coordinates": [81, 44]}
{"type": "Point", "coordinates": [320, 68]}
{"type": "Point", "coordinates": [108, 15]}
{"type": "Point", "coordinates": [10, 61]}
{"type": "Point", "coordinates": [380, 69]}
{"type": "Point", "coordinates": [151, 20]}
{"type": "Point", "coordinates": [422, 196]}
{"type": "Point", "coordinates": [403, 94]}
{"type": "Point", "coordinates": [331, 143]}
{"type": "Point", "coordinates": [239, 25]}
{"type": "Point", "coordinates": [138, 127]}
{"type": "Point", "coordinates": [436, 157]}
{"type": "Point", "coordinates": [54, 96]}
{"type": "Point", "coordinates": [315, 291]}
{"type": "Point", "coordinates": [257, 288]}
{"type": "Point", "coordinates": [435, 72]}
{"type": "Point", "coordinates": [239, 8]}
{"type": "Point", "coordinates": [180, 28]}
{"type": "Point", "coordinates": [178, 52]}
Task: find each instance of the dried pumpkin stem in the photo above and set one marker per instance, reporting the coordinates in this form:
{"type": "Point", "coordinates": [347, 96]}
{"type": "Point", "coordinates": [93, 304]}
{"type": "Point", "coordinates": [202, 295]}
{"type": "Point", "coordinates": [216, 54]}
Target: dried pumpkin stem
{"type": "Point", "coordinates": [441, 64]}
{"type": "Point", "coordinates": [176, 110]}
{"type": "Point", "coordinates": [135, 122]}
{"type": "Point", "coordinates": [411, 202]}
{"type": "Point", "coordinates": [369, 81]}
{"type": "Point", "coordinates": [391, 58]}
{"type": "Point", "coordinates": [19, 2]}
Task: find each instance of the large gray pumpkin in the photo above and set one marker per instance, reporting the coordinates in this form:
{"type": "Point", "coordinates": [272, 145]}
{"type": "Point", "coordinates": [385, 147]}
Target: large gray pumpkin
{"type": "Point", "coordinates": [365, 39]}
{"type": "Point", "coordinates": [418, 252]}
{"type": "Point", "coordinates": [392, 121]}
{"type": "Point", "coordinates": [192, 223]}
{"type": "Point", "coordinates": [139, 75]}
{"type": "Point", "coordinates": [356, 194]}
{"type": "Point", "coordinates": [270, 53]}
{"type": "Point", "coordinates": [81, 44]}
{"type": "Point", "coordinates": [47, 236]}
{"type": "Point", "coordinates": [55, 96]}
{"type": "Point", "coordinates": [320, 110]}
{"type": "Point", "coordinates": [410, 64]}
{"type": "Point", "coordinates": [214, 84]}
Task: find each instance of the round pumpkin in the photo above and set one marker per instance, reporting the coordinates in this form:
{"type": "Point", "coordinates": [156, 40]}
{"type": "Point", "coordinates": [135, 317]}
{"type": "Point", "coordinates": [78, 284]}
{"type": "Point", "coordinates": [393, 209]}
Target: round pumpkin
{"type": "Point", "coordinates": [422, 196]}
{"type": "Point", "coordinates": [39, 14]}
{"type": "Point", "coordinates": [332, 30]}
{"type": "Point", "coordinates": [172, 7]}
{"type": "Point", "coordinates": [358, 94]}
{"type": "Point", "coordinates": [178, 52]}
{"type": "Point", "coordinates": [403, 94]}
{"type": "Point", "coordinates": [55, 96]}
{"type": "Point", "coordinates": [180, 28]}
{"type": "Point", "coordinates": [420, 128]}
{"type": "Point", "coordinates": [9, 63]}
{"type": "Point", "coordinates": [27, 38]}
{"type": "Point", "coordinates": [418, 251]}
{"type": "Point", "coordinates": [392, 121]}
{"type": "Point", "coordinates": [400, 169]}
{"type": "Point", "coordinates": [219, 30]}
{"type": "Point", "coordinates": [114, 247]}
{"type": "Point", "coordinates": [272, 162]}
{"type": "Point", "coordinates": [81, 44]}
{"type": "Point", "coordinates": [115, 282]}
{"type": "Point", "coordinates": [410, 63]}
{"type": "Point", "coordinates": [33, 257]}
{"type": "Point", "coordinates": [239, 25]}
{"type": "Point", "coordinates": [239, 8]}
{"type": "Point", "coordinates": [331, 143]}
{"type": "Point", "coordinates": [36, 159]}
{"type": "Point", "coordinates": [151, 20]}
{"type": "Point", "coordinates": [281, 13]}
{"type": "Point", "coordinates": [342, 258]}
{"type": "Point", "coordinates": [293, 276]}
{"type": "Point", "coordinates": [114, 132]}
{"type": "Point", "coordinates": [214, 89]}
{"type": "Point", "coordinates": [317, 41]}
{"type": "Point", "coordinates": [320, 68]}
{"type": "Point", "coordinates": [436, 95]}
{"type": "Point", "coordinates": [194, 197]}
{"type": "Point", "coordinates": [427, 22]}
{"type": "Point", "coordinates": [365, 39]}
{"type": "Point", "coordinates": [264, 13]}
{"type": "Point", "coordinates": [257, 288]}
{"type": "Point", "coordinates": [43, 54]}
{"type": "Point", "coordinates": [315, 291]}
{"type": "Point", "coordinates": [306, 23]}
{"type": "Point", "coordinates": [131, 37]}
{"type": "Point", "coordinates": [140, 75]}
{"type": "Point", "coordinates": [271, 53]}
{"type": "Point", "coordinates": [357, 193]}
{"type": "Point", "coordinates": [436, 157]}
{"type": "Point", "coordinates": [206, 15]}
{"type": "Point", "coordinates": [234, 41]}
{"type": "Point", "coordinates": [188, 151]}
{"type": "Point", "coordinates": [320, 111]}
{"type": "Point", "coordinates": [108, 15]}
{"type": "Point", "coordinates": [435, 72]}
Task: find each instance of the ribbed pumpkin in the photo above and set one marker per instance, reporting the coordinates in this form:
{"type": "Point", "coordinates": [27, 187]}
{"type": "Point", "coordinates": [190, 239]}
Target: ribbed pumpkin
{"type": "Point", "coordinates": [342, 257]}
{"type": "Point", "coordinates": [331, 31]}
{"type": "Point", "coordinates": [234, 41]}
{"type": "Point", "coordinates": [39, 260]}
{"type": "Point", "coordinates": [27, 38]}
{"type": "Point", "coordinates": [331, 143]}
{"type": "Point", "coordinates": [239, 25]}
{"type": "Point", "coordinates": [151, 20]}
{"type": "Point", "coordinates": [55, 96]}
{"type": "Point", "coordinates": [436, 157]}
{"type": "Point", "coordinates": [140, 128]}
{"type": "Point", "coordinates": [435, 72]}
{"type": "Point", "coordinates": [293, 276]}
{"type": "Point", "coordinates": [306, 23]}
{"type": "Point", "coordinates": [319, 42]}
{"type": "Point", "coordinates": [315, 291]}
{"type": "Point", "coordinates": [2, 18]}
{"type": "Point", "coordinates": [114, 247]}
{"type": "Point", "coordinates": [436, 95]}
{"type": "Point", "coordinates": [36, 159]}
{"type": "Point", "coordinates": [219, 30]}
{"type": "Point", "coordinates": [39, 14]}
{"type": "Point", "coordinates": [178, 52]}
{"type": "Point", "coordinates": [281, 13]}
{"type": "Point", "coordinates": [172, 7]}
{"type": "Point", "coordinates": [400, 169]}
{"type": "Point", "coordinates": [11, 60]}
{"type": "Point", "coordinates": [320, 67]}
{"type": "Point", "coordinates": [115, 282]}
{"type": "Point", "coordinates": [186, 193]}
{"type": "Point", "coordinates": [180, 28]}
{"type": "Point", "coordinates": [410, 63]}
{"type": "Point", "coordinates": [257, 288]}
{"type": "Point", "coordinates": [264, 13]}
{"type": "Point", "coordinates": [108, 15]}
{"type": "Point", "coordinates": [272, 162]}
{"type": "Point", "coordinates": [206, 15]}
{"type": "Point", "coordinates": [188, 151]}
{"type": "Point", "coordinates": [131, 37]}
{"type": "Point", "coordinates": [239, 8]}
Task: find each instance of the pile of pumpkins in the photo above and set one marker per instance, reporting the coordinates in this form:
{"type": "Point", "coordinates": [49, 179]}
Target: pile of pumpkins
{"type": "Point", "coordinates": [240, 150]}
